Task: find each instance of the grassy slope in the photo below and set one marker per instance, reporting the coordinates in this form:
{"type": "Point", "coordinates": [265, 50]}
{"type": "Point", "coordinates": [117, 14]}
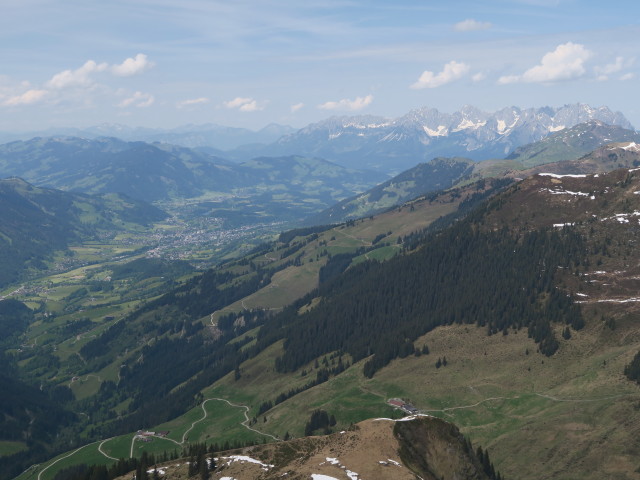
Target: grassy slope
{"type": "Point", "coordinates": [286, 286]}
{"type": "Point", "coordinates": [569, 416]}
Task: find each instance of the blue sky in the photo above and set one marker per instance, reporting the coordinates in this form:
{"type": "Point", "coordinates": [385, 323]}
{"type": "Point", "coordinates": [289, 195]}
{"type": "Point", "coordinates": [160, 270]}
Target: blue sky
{"type": "Point", "coordinates": [164, 63]}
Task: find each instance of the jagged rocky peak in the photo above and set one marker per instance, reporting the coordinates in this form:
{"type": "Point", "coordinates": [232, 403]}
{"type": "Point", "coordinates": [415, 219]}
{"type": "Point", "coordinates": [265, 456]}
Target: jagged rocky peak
{"type": "Point", "coordinates": [573, 114]}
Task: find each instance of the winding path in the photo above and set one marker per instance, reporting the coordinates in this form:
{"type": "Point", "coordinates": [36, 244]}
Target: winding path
{"type": "Point", "coordinates": [103, 452]}
{"type": "Point", "coordinates": [244, 424]}
{"type": "Point", "coordinates": [548, 397]}
{"type": "Point", "coordinates": [62, 458]}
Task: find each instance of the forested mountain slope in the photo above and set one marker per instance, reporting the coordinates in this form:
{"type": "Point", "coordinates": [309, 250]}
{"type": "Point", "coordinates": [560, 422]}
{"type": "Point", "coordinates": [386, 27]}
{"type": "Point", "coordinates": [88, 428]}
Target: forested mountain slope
{"type": "Point", "coordinates": [509, 299]}
{"type": "Point", "coordinates": [35, 222]}
{"type": "Point", "coordinates": [261, 189]}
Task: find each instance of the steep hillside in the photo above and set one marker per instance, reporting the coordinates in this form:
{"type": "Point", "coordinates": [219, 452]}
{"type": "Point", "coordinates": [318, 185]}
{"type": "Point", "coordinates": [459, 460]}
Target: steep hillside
{"type": "Point", "coordinates": [516, 321]}
{"type": "Point", "coordinates": [438, 174]}
{"type": "Point", "coordinates": [35, 222]}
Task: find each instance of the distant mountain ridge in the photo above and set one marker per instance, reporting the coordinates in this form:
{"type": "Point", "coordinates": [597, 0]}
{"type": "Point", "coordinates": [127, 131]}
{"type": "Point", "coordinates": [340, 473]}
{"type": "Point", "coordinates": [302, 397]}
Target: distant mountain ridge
{"type": "Point", "coordinates": [392, 145]}
{"type": "Point", "coordinates": [208, 135]}
{"type": "Point", "coordinates": [591, 147]}
{"type": "Point", "coordinates": [263, 188]}
{"type": "Point", "coordinates": [389, 145]}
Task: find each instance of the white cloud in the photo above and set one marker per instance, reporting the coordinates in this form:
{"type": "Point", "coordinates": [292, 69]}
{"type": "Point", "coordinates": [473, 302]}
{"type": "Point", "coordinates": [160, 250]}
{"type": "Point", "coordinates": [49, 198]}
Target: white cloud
{"type": "Point", "coordinates": [296, 107]}
{"type": "Point", "coordinates": [76, 78]}
{"type": "Point", "coordinates": [27, 98]}
{"type": "Point", "coordinates": [470, 25]}
{"type": "Point", "coordinates": [452, 71]}
{"type": "Point", "coordinates": [628, 76]}
{"type": "Point", "coordinates": [244, 104]}
{"type": "Point", "coordinates": [132, 66]}
{"type": "Point", "coordinates": [618, 65]}
{"type": "Point", "coordinates": [478, 77]}
{"type": "Point", "coordinates": [191, 102]}
{"type": "Point", "coordinates": [345, 104]}
{"type": "Point", "coordinates": [138, 99]}
{"type": "Point", "coordinates": [566, 62]}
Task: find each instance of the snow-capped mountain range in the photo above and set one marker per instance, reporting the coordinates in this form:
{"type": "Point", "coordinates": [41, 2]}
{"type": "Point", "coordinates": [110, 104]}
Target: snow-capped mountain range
{"type": "Point", "coordinates": [389, 145]}
{"type": "Point", "coordinates": [422, 134]}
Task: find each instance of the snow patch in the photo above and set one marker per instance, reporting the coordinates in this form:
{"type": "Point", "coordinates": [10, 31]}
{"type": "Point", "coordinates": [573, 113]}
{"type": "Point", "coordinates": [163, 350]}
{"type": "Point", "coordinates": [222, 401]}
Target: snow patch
{"type": "Point", "coordinates": [566, 192]}
{"type": "Point", "coordinates": [466, 123]}
{"type": "Point", "coordinates": [319, 476]}
{"type": "Point", "coordinates": [557, 128]}
{"type": "Point", "coordinates": [243, 458]}
{"type": "Point", "coordinates": [560, 225]}
{"type": "Point", "coordinates": [555, 175]}
{"type": "Point", "coordinates": [613, 300]}
{"type": "Point", "coordinates": [622, 217]}
{"type": "Point", "coordinates": [333, 461]}
{"type": "Point", "coordinates": [403, 419]}
{"type": "Point", "coordinates": [440, 132]}
{"type": "Point", "coordinates": [633, 146]}
{"type": "Point", "coordinates": [582, 294]}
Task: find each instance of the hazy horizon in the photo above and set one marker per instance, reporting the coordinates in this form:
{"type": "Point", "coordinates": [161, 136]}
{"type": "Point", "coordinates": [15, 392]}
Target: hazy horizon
{"type": "Point", "coordinates": [164, 64]}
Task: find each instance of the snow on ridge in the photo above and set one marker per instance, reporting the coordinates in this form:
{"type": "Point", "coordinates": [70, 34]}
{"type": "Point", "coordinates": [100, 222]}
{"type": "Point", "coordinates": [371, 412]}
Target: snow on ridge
{"type": "Point", "coordinates": [319, 476]}
{"type": "Point", "coordinates": [633, 146]}
{"type": "Point", "coordinates": [630, 147]}
{"type": "Point", "coordinates": [557, 128]}
{"type": "Point", "coordinates": [567, 192]}
{"type": "Point", "coordinates": [556, 175]}
{"type": "Point", "coordinates": [560, 225]}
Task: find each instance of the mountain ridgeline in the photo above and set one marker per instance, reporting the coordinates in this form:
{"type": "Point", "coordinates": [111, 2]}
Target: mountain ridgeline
{"type": "Point", "coordinates": [579, 149]}
{"type": "Point", "coordinates": [533, 272]}
{"type": "Point", "coordinates": [394, 145]}
{"type": "Point", "coordinates": [154, 171]}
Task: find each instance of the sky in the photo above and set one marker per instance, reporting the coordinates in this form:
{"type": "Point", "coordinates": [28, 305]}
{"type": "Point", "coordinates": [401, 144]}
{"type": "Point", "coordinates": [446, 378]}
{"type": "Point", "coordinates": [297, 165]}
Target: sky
{"type": "Point", "coordinates": [166, 63]}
